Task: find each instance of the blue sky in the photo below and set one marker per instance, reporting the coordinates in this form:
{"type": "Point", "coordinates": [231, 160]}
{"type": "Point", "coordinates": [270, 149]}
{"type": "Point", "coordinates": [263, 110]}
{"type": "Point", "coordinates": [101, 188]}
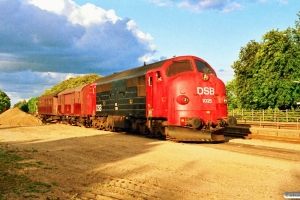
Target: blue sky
{"type": "Point", "coordinates": [43, 42]}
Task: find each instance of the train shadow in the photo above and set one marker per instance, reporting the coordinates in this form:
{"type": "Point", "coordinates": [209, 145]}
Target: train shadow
{"type": "Point", "coordinates": [86, 161]}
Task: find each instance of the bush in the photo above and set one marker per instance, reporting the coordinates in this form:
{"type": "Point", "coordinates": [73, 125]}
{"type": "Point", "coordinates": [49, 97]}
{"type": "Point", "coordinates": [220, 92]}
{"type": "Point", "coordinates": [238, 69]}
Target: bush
{"type": "Point", "coordinates": [22, 105]}
{"type": "Point", "coordinates": [32, 105]}
{"type": "Point", "coordinates": [4, 101]}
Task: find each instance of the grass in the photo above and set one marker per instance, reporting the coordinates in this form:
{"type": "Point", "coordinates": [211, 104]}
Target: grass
{"type": "Point", "coordinates": [12, 181]}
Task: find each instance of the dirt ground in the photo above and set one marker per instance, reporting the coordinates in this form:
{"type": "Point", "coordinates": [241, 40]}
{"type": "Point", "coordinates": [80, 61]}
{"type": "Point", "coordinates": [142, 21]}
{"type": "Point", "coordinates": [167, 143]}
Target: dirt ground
{"type": "Point", "coordinates": [91, 164]}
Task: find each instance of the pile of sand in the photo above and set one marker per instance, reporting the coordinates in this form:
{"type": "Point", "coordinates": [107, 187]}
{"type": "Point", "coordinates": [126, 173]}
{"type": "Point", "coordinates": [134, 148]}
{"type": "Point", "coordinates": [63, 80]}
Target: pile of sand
{"type": "Point", "coordinates": [16, 117]}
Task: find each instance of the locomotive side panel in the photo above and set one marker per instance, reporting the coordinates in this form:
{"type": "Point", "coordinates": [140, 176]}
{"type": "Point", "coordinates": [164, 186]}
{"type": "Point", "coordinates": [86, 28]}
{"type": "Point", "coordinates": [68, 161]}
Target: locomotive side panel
{"type": "Point", "coordinates": [125, 97]}
{"type": "Point", "coordinates": [157, 102]}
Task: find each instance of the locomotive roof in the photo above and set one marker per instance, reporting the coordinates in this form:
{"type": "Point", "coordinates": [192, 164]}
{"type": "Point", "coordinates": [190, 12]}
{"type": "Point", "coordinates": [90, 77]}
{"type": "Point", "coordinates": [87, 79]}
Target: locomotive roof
{"type": "Point", "coordinates": [135, 72]}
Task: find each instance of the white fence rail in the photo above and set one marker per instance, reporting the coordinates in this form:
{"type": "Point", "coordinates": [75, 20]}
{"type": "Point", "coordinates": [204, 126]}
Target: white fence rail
{"type": "Point", "coordinates": [268, 118]}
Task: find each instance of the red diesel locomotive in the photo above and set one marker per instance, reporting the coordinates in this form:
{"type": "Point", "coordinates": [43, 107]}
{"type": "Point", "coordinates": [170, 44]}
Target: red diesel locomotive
{"type": "Point", "coordinates": [179, 98]}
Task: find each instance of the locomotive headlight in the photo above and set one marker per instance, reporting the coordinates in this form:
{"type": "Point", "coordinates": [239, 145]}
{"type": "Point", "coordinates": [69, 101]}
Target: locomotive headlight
{"type": "Point", "coordinates": [205, 77]}
{"type": "Point", "coordinates": [182, 99]}
{"type": "Point", "coordinates": [185, 99]}
{"type": "Point", "coordinates": [225, 100]}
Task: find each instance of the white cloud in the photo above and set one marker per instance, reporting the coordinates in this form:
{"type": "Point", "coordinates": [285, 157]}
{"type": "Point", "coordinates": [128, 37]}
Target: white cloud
{"type": "Point", "coordinates": [68, 37]}
{"type": "Point", "coordinates": [43, 42]}
{"type": "Point", "coordinates": [60, 7]}
{"type": "Point", "coordinates": [131, 25]}
{"type": "Point", "coordinates": [161, 3]}
{"type": "Point", "coordinates": [147, 59]}
{"type": "Point", "coordinates": [219, 5]}
{"type": "Point", "coordinates": [83, 15]}
{"type": "Point", "coordinates": [90, 14]}
{"type": "Point", "coordinates": [283, 1]}
{"type": "Point", "coordinates": [153, 47]}
{"type": "Point", "coordinates": [224, 6]}
{"type": "Point", "coordinates": [27, 84]}
{"type": "Point", "coordinates": [56, 6]}
{"type": "Point", "coordinates": [232, 7]}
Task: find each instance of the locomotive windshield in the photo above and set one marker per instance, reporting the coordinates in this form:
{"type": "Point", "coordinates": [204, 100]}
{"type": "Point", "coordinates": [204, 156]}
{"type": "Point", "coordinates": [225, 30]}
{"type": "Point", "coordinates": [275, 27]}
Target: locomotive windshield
{"type": "Point", "coordinates": [178, 67]}
{"type": "Point", "coordinates": [203, 67]}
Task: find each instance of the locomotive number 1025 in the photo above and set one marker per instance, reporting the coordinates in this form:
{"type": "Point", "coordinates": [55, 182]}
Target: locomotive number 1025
{"type": "Point", "coordinates": [206, 100]}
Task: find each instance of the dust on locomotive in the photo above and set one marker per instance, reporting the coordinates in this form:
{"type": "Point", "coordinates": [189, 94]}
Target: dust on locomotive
{"type": "Point", "coordinates": [180, 99]}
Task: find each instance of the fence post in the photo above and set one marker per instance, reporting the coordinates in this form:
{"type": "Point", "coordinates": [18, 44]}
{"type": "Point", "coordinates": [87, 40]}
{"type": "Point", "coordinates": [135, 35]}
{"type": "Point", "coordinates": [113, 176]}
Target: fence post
{"type": "Point", "coordinates": [297, 123]}
{"type": "Point", "coordinates": [286, 115]}
{"type": "Point", "coordinates": [251, 114]}
{"type": "Point", "coordinates": [263, 114]}
{"type": "Point", "coordinates": [242, 113]}
{"type": "Point", "coordinates": [260, 121]}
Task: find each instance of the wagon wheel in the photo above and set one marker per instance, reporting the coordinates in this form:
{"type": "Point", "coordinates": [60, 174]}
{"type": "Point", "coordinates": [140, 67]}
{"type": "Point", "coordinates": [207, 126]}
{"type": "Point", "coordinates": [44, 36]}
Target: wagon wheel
{"type": "Point", "coordinates": [111, 129]}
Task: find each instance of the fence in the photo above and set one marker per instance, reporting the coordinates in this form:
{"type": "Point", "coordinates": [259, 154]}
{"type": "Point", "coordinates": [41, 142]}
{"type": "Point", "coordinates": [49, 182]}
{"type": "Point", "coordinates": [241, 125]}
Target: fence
{"type": "Point", "coordinates": [266, 115]}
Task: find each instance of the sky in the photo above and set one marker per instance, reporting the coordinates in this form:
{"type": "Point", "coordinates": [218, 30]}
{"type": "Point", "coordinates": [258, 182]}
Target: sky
{"type": "Point", "coordinates": [44, 42]}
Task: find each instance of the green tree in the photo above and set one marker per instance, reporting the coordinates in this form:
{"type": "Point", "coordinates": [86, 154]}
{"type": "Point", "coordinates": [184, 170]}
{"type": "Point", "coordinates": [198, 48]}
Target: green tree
{"type": "Point", "coordinates": [278, 62]}
{"type": "Point", "coordinates": [245, 73]}
{"type": "Point", "coordinates": [16, 105]}
{"type": "Point", "coordinates": [4, 101]}
{"type": "Point", "coordinates": [265, 72]}
{"type": "Point", "coordinates": [22, 105]}
{"type": "Point", "coordinates": [297, 23]}
{"type": "Point", "coordinates": [72, 82]}
{"type": "Point", "coordinates": [231, 95]}
{"type": "Point", "coordinates": [32, 105]}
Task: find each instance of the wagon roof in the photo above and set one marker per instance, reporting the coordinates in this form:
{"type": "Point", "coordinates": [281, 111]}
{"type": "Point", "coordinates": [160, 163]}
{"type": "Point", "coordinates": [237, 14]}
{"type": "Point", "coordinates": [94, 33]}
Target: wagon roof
{"type": "Point", "coordinates": [49, 95]}
{"type": "Point", "coordinates": [75, 89]}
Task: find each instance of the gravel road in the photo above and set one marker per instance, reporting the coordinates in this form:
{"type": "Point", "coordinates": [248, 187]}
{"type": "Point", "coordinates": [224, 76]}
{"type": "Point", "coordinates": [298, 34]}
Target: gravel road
{"type": "Point", "coordinates": [92, 164]}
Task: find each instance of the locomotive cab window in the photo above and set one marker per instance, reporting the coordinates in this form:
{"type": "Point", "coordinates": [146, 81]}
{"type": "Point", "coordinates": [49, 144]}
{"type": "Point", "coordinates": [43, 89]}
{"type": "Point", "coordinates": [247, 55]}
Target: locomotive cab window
{"type": "Point", "coordinates": [178, 67]}
{"type": "Point", "coordinates": [150, 80]}
{"type": "Point", "coordinates": [203, 67]}
{"type": "Point", "coordinates": [158, 76]}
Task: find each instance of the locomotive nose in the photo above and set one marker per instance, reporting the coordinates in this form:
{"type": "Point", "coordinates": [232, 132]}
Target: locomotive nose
{"type": "Point", "coordinates": [195, 122]}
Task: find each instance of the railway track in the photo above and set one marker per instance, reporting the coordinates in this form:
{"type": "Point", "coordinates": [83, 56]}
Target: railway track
{"type": "Point", "coordinates": [270, 152]}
